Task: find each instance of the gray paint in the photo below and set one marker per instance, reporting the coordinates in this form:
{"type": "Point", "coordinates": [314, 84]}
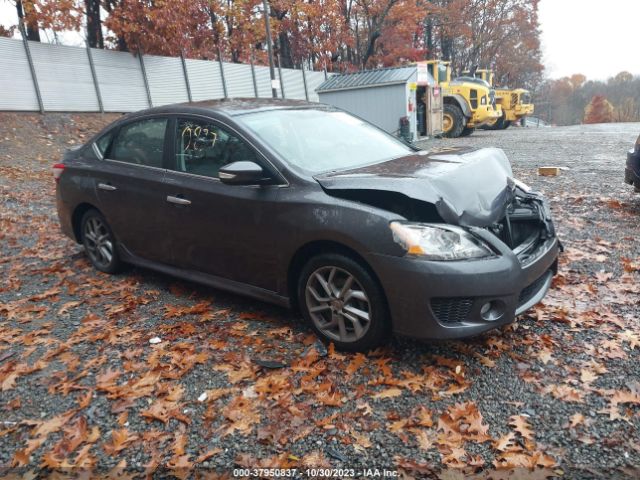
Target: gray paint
{"type": "Point", "coordinates": [382, 106]}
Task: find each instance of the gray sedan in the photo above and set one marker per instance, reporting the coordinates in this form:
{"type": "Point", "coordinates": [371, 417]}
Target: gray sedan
{"type": "Point", "coordinates": [306, 206]}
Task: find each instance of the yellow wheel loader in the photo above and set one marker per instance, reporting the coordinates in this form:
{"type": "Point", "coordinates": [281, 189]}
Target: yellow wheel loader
{"type": "Point", "coordinates": [514, 102]}
{"type": "Point", "coordinates": [467, 104]}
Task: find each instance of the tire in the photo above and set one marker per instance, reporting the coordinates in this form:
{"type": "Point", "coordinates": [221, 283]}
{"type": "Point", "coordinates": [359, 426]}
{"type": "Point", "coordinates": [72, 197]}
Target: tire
{"type": "Point", "coordinates": [324, 307]}
{"type": "Point", "coordinates": [506, 124]}
{"type": "Point", "coordinates": [467, 131]}
{"type": "Point", "coordinates": [497, 125]}
{"type": "Point", "coordinates": [99, 242]}
{"type": "Point", "coordinates": [457, 119]}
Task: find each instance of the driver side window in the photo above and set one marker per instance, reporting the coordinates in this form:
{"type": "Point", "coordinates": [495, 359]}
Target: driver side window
{"type": "Point", "coordinates": [202, 148]}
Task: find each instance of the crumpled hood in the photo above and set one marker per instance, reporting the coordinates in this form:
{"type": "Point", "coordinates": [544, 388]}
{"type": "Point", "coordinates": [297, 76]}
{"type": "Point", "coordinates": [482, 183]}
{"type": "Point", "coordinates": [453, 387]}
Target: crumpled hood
{"type": "Point", "coordinates": [469, 187]}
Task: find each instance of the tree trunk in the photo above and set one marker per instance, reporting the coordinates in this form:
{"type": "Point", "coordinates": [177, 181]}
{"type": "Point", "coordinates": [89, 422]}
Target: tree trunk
{"type": "Point", "coordinates": [109, 6]}
{"type": "Point", "coordinates": [428, 36]}
{"type": "Point", "coordinates": [284, 49]}
{"type": "Point", "coordinates": [31, 23]}
{"type": "Point", "coordinates": [94, 24]}
{"type": "Point", "coordinates": [446, 47]}
{"type": "Point", "coordinates": [371, 48]}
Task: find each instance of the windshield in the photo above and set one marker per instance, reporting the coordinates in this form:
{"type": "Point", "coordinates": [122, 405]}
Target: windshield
{"type": "Point", "coordinates": [323, 140]}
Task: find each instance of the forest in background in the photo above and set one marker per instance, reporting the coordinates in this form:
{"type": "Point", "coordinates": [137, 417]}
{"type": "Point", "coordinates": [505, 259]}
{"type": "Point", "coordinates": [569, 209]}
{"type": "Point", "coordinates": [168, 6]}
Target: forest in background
{"type": "Point", "coordinates": [575, 99]}
{"type": "Point", "coordinates": [344, 36]}
{"type": "Point", "coordinates": [337, 35]}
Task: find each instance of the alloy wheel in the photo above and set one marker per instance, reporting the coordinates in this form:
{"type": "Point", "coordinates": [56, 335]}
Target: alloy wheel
{"type": "Point", "coordinates": [338, 304]}
{"type": "Point", "coordinates": [98, 241]}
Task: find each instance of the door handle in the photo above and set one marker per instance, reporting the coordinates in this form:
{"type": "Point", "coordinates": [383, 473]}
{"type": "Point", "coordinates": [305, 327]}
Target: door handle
{"type": "Point", "coordinates": [107, 187]}
{"type": "Point", "coordinates": [178, 200]}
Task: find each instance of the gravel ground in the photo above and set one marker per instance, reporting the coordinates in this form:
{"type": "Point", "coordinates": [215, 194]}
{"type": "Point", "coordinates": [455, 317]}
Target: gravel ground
{"type": "Point", "coordinates": [82, 388]}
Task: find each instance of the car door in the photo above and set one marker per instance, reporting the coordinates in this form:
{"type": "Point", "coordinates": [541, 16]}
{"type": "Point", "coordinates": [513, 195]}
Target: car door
{"type": "Point", "coordinates": [219, 229]}
{"type": "Point", "coordinates": [130, 187]}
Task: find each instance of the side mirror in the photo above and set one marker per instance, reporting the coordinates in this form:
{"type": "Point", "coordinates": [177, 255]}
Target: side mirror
{"type": "Point", "coordinates": [241, 173]}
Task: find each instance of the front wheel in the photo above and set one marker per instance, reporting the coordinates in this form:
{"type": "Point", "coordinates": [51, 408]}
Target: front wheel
{"type": "Point", "coordinates": [506, 124]}
{"type": "Point", "coordinates": [343, 303]}
{"type": "Point", "coordinates": [99, 242]}
{"type": "Point", "coordinates": [466, 131]}
{"type": "Point", "coordinates": [453, 121]}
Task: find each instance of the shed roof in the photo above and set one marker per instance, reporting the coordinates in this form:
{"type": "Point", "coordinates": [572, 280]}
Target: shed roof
{"type": "Point", "coordinates": [367, 78]}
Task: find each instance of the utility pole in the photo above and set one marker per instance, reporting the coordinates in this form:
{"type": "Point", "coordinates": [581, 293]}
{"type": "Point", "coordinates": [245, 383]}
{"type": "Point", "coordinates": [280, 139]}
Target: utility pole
{"type": "Point", "coordinates": [272, 71]}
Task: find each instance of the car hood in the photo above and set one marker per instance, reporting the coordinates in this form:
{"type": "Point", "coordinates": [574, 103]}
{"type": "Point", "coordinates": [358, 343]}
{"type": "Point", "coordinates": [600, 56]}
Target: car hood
{"type": "Point", "coordinates": [469, 187]}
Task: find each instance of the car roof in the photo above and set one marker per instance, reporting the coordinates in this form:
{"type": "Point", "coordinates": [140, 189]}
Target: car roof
{"type": "Point", "coordinates": [232, 106]}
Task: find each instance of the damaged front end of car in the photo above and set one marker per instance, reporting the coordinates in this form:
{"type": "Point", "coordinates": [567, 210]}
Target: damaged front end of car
{"type": "Point", "coordinates": [483, 245]}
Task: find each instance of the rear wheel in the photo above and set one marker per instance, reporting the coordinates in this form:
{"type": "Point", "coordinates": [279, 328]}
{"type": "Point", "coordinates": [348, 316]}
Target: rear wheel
{"type": "Point", "coordinates": [343, 303]}
{"type": "Point", "coordinates": [466, 131]}
{"type": "Point", "coordinates": [453, 121]}
{"type": "Point", "coordinates": [99, 242]}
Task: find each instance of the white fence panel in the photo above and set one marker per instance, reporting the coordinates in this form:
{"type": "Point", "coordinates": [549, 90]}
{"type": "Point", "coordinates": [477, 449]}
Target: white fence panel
{"type": "Point", "coordinates": [293, 84]}
{"type": "Point", "coordinates": [66, 82]}
{"type": "Point", "coordinates": [64, 76]}
{"type": "Point", "coordinates": [166, 80]}
{"type": "Point", "coordinates": [314, 80]}
{"type": "Point", "coordinates": [239, 80]}
{"type": "Point", "coordinates": [16, 85]}
{"type": "Point", "coordinates": [263, 79]}
{"type": "Point", "coordinates": [204, 79]}
{"type": "Point", "coordinates": [121, 82]}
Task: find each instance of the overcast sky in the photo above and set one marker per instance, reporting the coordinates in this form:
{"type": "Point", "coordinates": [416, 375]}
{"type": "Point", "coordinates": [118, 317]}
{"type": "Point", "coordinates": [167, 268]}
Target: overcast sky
{"type": "Point", "coordinates": [594, 37]}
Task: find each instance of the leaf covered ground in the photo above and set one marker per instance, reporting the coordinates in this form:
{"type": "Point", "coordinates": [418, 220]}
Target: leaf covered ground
{"type": "Point", "coordinates": [143, 374]}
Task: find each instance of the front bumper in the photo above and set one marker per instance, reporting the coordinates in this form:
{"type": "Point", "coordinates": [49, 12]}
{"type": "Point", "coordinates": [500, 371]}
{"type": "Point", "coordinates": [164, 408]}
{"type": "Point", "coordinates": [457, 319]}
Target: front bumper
{"type": "Point", "coordinates": [444, 300]}
{"type": "Point", "coordinates": [519, 111]}
{"type": "Point", "coordinates": [632, 171]}
{"type": "Point", "coordinates": [484, 115]}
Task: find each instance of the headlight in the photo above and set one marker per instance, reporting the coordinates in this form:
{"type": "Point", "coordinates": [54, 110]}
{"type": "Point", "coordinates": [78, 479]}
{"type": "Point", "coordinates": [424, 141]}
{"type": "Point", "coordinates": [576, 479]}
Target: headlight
{"type": "Point", "coordinates": [438, 241]}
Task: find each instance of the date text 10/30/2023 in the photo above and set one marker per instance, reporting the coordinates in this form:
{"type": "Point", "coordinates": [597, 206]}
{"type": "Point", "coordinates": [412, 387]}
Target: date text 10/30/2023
{"type": "Point", "coordinates": [314, 473]}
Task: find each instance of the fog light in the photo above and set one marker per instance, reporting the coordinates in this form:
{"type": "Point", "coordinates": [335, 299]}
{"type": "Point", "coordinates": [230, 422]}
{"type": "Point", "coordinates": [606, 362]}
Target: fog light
{"type": "Point", "coordinates": [492, 311]}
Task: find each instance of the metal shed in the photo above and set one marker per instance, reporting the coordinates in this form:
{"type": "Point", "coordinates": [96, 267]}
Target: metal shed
{"type": "Point", "coordinates": [384, 96]}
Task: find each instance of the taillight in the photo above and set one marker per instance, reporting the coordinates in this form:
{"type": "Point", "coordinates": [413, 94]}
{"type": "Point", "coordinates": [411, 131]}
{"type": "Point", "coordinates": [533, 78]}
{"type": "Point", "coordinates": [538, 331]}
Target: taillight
{"type": "Point", "coordinates": [58, 168]}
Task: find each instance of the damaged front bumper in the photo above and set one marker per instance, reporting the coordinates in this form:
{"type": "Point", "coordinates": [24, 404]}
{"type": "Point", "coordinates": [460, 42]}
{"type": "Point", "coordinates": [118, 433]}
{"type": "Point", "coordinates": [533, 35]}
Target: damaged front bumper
{"type": "Point", "coordinates": [453, 299]}
{"type": "Point", "coordinates": [444, 300]}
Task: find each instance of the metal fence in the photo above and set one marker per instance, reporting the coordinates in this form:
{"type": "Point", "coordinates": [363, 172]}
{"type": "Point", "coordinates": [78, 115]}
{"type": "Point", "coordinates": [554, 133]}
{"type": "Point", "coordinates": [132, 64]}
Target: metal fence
{"type": "Point", "coordinates": [44, 77]}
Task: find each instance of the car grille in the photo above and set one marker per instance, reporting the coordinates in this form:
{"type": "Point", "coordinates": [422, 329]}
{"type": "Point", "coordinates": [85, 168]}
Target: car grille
{"type": "Point", "coordinates": [531, 290]}
{"type": "Point", "coordinates": [451, 309]}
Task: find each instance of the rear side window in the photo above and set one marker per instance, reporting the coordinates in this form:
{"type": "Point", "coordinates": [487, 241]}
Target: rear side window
{"type": "Point", "coordinates": [202, 148]}
{"type": "Point", "coordinates": [140, 143]}
{"type": "Point", "coordinates": [104, 142]}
